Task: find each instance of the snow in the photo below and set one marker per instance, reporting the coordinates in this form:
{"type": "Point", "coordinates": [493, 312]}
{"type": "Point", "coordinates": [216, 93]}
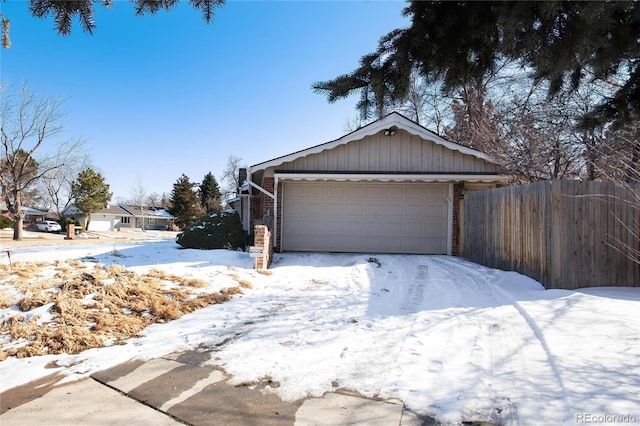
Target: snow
{"type": "Point", "coordinates": [452, 339]}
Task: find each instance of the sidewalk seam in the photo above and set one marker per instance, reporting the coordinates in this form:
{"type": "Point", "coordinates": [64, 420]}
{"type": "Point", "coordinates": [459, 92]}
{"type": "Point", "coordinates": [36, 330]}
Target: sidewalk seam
{"type": "Point", "coordinates": [177, 419]}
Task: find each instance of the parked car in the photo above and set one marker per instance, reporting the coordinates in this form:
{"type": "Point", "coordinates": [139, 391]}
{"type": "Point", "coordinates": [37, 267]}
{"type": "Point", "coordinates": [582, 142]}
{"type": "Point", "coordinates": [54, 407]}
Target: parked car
{"type": "Point", "coordinates": [48, 226]}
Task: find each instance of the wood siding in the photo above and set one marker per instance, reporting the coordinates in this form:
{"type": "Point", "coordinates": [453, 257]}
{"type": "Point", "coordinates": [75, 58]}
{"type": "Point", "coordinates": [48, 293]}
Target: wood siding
{"type": "Point", "coordinates": [565, 234]}
{"type": "Point", "coordinates": [402, 152]}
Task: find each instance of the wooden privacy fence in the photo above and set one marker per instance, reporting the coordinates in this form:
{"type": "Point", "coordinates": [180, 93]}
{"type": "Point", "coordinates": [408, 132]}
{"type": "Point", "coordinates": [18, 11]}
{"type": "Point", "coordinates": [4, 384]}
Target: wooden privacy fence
{"type": "Point", "coordinates": [565, 234]}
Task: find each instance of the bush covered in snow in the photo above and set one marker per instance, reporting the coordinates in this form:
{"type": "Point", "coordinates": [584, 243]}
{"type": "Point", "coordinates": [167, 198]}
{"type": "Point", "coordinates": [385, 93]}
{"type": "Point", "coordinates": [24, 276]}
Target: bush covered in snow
{"type": "Point", "coordinates": [214, 231]}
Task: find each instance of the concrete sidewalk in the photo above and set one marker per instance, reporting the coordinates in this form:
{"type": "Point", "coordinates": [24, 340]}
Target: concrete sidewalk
{"type": "Point", "coordinates": [182, 389]}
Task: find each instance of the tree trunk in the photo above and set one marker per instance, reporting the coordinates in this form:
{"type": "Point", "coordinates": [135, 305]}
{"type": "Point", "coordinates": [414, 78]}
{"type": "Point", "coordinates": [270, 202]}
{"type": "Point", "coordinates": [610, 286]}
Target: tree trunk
{"type": "Point", "coordinates": [17, 215]}
{"type": "Point", "coordinates": [88, 221]}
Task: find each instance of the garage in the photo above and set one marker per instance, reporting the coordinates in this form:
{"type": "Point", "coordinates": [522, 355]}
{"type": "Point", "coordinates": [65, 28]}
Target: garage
{"type": "Point", "coordinates": [391, 186]}
{"type": "Point", "coordinates": [370, 217]}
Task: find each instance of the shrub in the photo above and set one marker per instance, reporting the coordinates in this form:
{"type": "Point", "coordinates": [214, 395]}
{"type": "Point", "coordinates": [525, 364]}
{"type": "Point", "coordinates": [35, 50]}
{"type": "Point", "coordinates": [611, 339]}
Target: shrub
{"type": "Point", "coordinates": [214, 231]}
{"type": "Point", "coordinates": [5, 222]}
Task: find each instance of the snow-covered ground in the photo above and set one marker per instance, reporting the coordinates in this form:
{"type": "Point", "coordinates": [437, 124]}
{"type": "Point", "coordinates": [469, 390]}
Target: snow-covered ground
{"type": "Point", "coordinates": [452, 339]}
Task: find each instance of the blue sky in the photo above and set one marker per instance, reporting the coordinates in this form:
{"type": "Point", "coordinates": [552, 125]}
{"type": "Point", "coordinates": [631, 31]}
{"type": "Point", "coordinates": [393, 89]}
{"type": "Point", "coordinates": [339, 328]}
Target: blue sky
{"type": "Point", "coordinates": [161, 95]}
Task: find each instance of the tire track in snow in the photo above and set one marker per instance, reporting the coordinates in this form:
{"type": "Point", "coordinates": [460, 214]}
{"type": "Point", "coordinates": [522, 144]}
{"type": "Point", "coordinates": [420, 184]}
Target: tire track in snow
{"type": "Point", "coordinates": [417, 279]}
{"type": "Point", "coordinates": [412, 300]}
{"type": "Point", "coordinates": [498, 344]}
{"type": "Point", "coordinates": [460, 271]}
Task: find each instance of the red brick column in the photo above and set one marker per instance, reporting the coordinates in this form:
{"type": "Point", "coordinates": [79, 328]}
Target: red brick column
{"type": "Point", "coordinates": [262, 238]}
{"type": "Point", "coordinates": [267, 203]}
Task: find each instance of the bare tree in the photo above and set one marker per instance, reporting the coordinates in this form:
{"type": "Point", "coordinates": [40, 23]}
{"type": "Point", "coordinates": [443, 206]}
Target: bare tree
{"type": "Point", "coordinates": [426, 104]}
{"type": "Point", "coordinates": [618, 160]}
{"type": "Point", "coordinates": [139, 196]}
{"type": "Point", "coordinates": [27, 123]}
{"type": "Point", "coordinates": [230, 179]}
{"type": "Point", "coordinates": [154, 200]}
{"type": "Point", "coordinates": [55, 185]}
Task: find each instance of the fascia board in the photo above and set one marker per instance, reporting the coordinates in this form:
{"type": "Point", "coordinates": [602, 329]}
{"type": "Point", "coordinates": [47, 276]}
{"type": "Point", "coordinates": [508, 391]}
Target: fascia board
{"type": "Point", "coordinates": [382, 177]}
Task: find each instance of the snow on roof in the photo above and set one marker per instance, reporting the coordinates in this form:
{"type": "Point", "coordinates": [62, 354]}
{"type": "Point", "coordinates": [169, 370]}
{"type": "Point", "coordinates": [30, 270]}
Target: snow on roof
{"type": "Point", "coordinates": [161, 213]}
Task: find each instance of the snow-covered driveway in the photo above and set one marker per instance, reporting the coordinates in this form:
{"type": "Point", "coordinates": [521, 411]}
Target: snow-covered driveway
{"type": "Point", "coordinates": [452, 339]}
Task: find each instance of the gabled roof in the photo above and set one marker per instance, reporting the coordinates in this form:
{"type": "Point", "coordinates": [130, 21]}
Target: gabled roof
{"type": "Point", "coordinates": [392, 120]}
{"type": "Point", "coordinates": [129, 210]}
{"type": "Point", "coordinates": [116, 210]}
{"type": "Point", "coordinates": [27, 210]}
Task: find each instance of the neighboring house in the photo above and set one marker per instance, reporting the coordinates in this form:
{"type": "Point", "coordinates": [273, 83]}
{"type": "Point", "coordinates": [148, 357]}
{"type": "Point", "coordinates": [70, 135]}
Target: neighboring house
{"type": "Point", "coordinates": [31, 216]}
{"type": "Point", "coordinates": [115, 217]}
{"type": "Point", "coordinates": [389, 187]}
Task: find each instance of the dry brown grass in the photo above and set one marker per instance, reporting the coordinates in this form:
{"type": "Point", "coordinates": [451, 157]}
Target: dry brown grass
{"type": "Point", "coordinates": [27, 269]}
{"type": "Point", "coordinates": [193, 282]}
{"type": "Point", "coordinates": [243, 283]}
{"type": "Point", "coordinates": [7, 297]}
{"type": "Point", "coordinates": [230, 291]}
{"type": "Point", "coordinates": [183, 281]}
{"type": "Point", "coordinates": [94, 304]}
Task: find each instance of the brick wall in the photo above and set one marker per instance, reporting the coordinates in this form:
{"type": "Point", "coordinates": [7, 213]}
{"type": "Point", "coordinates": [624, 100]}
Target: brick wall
{"type": "Point", "coordinates": [262, 238]}
{"type": "Point", "coordinates": [267, 202]}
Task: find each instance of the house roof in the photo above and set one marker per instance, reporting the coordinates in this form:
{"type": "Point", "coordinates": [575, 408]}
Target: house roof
{"type": "Point", "coordinates": [161, 213]}
{"type": "Point", "coordinates": [128, 210]}
{"type": "Point", "coordinates": [391, 120]}
{"type": "Point", "coordinates": [117, 210]}
{"type": "Point", "coordinates": [27, 210]}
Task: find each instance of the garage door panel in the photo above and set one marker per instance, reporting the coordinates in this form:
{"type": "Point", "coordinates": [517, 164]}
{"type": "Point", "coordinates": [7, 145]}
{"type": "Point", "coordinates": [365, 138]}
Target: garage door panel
{"type": "Point", "coordinates": [315, 192]}
{"type": "Point", "coordinates": [335, 209]}
{"type": "Point", "coordinates": [395, 228]}
{"type": "Point", "coordinates": [393, 193]}
{"type": "Point", "coordinates": [335, 192]}
{"type": "Point", "coordinates": [373, 227]}
{"type": "Point", "coordinates": [354, 210]}
{"type": "Point", "coordinates": [396, 211]}
{"type": "Point", "coordinates": [354, 191]}
{"type": "Point", "coordinates": [334, 228]}
{"type": "Point", "coordinates": [416, 194]}
{"type": "Point", "coordinates": [412, 228]}
{"type": "Point", "coordinates": [433, 229]}
{"type": "Point", "coordinates": [374, 210]}
{"type": "Point", "coordinates": [415, 210]}
{"type": "Point", "coordinates": [435, 210]}
{"type": "Point", "coordinates": [296, 191]}
{"type": "Point", "coordinates": [373, 192]}
{"type": "Point", "coordinates": [365, 217]}
{"type": "Point", "coordinates": [436, 191]}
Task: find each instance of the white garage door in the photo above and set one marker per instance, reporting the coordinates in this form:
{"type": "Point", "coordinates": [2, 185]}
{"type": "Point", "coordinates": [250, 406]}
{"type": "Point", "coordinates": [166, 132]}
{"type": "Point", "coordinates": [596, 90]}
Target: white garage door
{"type": "Point", "coordinates": [100, 224]}
{"type": "Point", "coordinates": [365, 217]}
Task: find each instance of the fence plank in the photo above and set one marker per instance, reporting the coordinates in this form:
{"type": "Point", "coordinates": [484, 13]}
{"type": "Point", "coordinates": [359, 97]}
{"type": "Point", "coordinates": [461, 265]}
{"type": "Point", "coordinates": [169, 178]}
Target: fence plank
{"type": "Point", "coordinates": [565, 234]}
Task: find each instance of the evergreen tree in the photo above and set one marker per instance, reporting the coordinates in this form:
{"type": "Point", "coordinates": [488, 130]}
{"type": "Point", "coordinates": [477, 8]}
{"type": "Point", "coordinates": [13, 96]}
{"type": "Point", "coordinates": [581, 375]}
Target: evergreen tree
{"type": "Point", "coordinates": [65, 12]}
{"type": "Point", "coordinates": [210, 194]}
{"type": "Point", "coordinates": [566, 43]}
{"type": "Point", "coordinates": [90, 192]}
{"type": "Point", "coordinates": [185, 203]}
